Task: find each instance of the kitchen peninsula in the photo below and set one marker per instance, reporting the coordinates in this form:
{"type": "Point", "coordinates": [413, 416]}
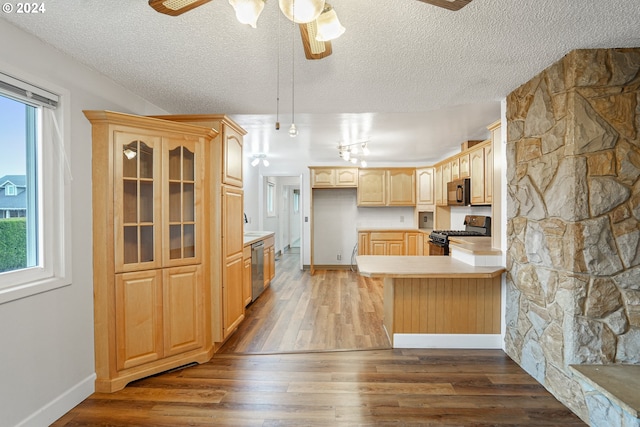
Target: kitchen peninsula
{"type": "Point", "coordinates": [438, 302]}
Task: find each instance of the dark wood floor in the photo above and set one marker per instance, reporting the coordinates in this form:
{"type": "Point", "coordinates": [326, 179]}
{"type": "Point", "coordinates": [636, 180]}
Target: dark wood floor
{"type": "Point", "coordinates": [375, 387]}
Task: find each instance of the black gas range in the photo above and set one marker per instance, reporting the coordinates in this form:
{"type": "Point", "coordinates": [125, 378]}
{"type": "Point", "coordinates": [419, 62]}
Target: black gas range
{"type": "Point", "coordinates": [475, 225]}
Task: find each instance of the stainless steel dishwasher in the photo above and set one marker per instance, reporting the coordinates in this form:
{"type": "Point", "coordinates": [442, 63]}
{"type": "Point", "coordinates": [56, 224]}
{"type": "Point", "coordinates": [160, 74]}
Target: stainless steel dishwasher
{"type": "Point", "coordinates": [257, 269]}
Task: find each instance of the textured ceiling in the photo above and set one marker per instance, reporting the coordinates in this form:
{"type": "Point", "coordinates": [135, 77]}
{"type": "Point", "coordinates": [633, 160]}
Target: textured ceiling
{"type": "Point", "coordinates": [414, 79]}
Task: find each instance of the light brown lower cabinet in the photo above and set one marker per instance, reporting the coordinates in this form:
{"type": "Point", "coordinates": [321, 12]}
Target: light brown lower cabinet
{"type": "Point", "coordinates": [232, 294]}
{"type": "Point", "coordinates": [246, 279]}
{"type": "Point", "coordinates": [269, 260]}
{"type": "Point", "coordinates": [391, 243]}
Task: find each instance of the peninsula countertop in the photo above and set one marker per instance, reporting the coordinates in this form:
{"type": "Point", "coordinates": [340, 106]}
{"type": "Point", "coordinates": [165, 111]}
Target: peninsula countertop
{"type": "Point", "coordinates": [474, 245]}
{"type": "Point", "coordinates": [376, 266]}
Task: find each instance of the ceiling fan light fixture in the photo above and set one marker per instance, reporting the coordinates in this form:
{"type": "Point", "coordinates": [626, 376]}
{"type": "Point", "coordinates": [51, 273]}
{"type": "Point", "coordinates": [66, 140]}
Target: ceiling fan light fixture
{"type": "Point", "coordinates": [329, 27]}
{"type": "Point", "coordinates": [301, 11]}
{"type": "Point", "coordinates": [175, 7]}
{"type": "Point", "coordinates": [247, 11]}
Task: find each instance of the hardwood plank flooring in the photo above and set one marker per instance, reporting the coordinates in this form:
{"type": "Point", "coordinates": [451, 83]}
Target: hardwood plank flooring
{"type": "Point", "coordinates": [331, 310]}
{"type": "Point", "coordinates": [354, 388]}
{"type": "Point", "coordinates": [294, 383]}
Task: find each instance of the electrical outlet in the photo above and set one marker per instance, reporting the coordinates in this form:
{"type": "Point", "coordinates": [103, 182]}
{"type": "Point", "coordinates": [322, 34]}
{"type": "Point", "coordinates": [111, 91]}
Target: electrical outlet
{"type": "Point", "coordinates": [339, 257]}
{"type": "Point", "coordinates": [401, 218]}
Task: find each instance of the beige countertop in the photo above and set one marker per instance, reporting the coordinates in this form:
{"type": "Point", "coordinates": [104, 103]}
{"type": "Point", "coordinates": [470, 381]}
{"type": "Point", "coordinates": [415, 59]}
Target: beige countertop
{"type": "Point", "coordinates": [421, 266]}
{"type": "Point", "coordinates": [474, 245]}
{"type": "Point", "coordinates": [392, 229]}
{"type": "Point", "coordinates": [251, 237]}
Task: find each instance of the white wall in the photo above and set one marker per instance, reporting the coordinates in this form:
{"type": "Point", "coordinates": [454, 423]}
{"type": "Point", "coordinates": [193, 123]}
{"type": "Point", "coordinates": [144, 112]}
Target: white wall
{"type": "Point", "coordinates": [251, 186]}
{"type": "Point", "coordinates": [336, 219]}
{"type": "Point", "coordinates": [459, 212]}
{"type": "Point", "coordinates": [46, 340]}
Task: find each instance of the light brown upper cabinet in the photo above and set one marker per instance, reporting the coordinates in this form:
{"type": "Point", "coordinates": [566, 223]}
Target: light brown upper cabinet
{"type": "Point", "coordinates": [446, 178]}
{"type": "Point", "coordinates": [464, 166]}
{"type": "Point", "coordinates": [488, 174]}
{"type": "Point", "coordinates": [231, 140]}
{"type": "Point", "coordinates": [372, 187]}
{"type": "Point", "coordinates": [440, 194]}
{"type": "Point", "coordinates": [477, 176]}
{"type": "Point", "coordinates": [455, 168]}
{"type": "Point", "coordinates": [148, 225]}
{"type": "Point", "coordinates": [425, 179]}
{"type": "Point", "coordinates": [402, 187]}
{"type": "Point", "coordinates": [334, 177]}
{"type": "Point", "coordinates": [387, 187]}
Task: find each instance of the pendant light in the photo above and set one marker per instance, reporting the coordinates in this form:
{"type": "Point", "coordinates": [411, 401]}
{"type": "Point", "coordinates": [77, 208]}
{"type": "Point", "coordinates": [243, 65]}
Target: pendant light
{"type": "Point", "coordinates": [247, 11]}
{"type": "Point", "coordinates": [304, 11]}
{"type": "Point", "coordinates": [329, 27]}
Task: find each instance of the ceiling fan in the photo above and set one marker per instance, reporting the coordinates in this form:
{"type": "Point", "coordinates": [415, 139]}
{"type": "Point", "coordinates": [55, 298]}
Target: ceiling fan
{"type": "Point", "coordinates": [448, 4]}
{"type": "Point", "coordinates": [317, 20]}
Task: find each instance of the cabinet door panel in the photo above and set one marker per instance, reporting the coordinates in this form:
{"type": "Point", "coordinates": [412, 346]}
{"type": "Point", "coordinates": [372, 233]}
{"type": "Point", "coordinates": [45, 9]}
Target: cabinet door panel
{"type": "Point", "coordinates": [137, 206]}
{"type": "Point", "coordinates": [371, 187]}
{"type": "Point", "coordinates": [477, 176]}
{"type": "Point", "coordinates": [322, 177]}
{"type": "Point", "coordinates": [182, 185]}
{"type": "Point", "coordinates": [138, 311]}
{"type": "Point", "coordinates": [182, 309]}
{"type": "Point", "coordinates": [232, 155]}
{"type": "Point", "coordinates": [246, 280]}
{"type": "Point", "coordinates": [272, 262]}
{"type": "Point", "coordinates": [455, 169]}
{"type": "Point", "coordinates": [363, 243]}
{"type": "Point", "coordinates": [232, 219]}
{"type": "Point", "coordinates": [402, 187]}
{"type": "Point", "coordinates": [347, 177]}
{"type": "Point", "coordinates": [378, 248]}
{"type": "Point", "coordinates": [232, 299]}
{"type": "Point", "coordinates": [425, 181]}
{"type": "Point", "coordinates": [395, 248]}
{"type": "Point", "coordinates": [464, 166]}
{"type": "Point", "coordinates": [446, 178]}
{"type": "Point", "coordinates": [411, 244]}
{"type": "Point", "coordinates": [488, 174]}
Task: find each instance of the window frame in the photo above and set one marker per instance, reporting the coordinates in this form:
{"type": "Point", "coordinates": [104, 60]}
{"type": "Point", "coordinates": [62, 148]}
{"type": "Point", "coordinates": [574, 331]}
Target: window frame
{"type": "Point", "coordinates": [10, 190]}
{"type": "Point", "coordinates": [271, 199]}
{"type": "Point", "coordinates": [54, 199]}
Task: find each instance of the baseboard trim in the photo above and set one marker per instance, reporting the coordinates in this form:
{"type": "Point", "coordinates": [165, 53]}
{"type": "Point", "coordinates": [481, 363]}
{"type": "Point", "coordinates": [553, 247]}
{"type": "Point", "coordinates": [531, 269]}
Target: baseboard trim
{"type": "Point", "coordinates": [332, 267]}
{"type": "Point", "coordinates": [466, 341]}
{"type": "Point", "coordinates": [62, 404]}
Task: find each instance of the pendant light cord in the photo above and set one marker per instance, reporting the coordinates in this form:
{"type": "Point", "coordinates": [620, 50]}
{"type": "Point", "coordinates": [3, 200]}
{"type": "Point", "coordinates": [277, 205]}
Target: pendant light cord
{"type": "Point", "coordinates": [278, 80]}
{"type": "Point", "coordinates": [293, 62]}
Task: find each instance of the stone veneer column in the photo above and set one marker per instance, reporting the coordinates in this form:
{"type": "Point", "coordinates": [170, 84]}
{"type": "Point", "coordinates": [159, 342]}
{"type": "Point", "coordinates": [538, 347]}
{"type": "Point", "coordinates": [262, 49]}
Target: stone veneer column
{"type": "Point", "coordinates": [573, 211]}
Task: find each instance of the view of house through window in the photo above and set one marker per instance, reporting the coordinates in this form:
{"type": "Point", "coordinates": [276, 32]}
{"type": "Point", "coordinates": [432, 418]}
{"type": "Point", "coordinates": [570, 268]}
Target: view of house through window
{"type": "Point", "coordinates": [19, 130]}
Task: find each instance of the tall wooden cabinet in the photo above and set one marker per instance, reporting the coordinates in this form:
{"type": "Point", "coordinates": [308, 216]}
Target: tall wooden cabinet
{"type": "Point", "coordinates": [225, 230]}
{"type": "Point", "coordinates": [148, 226]}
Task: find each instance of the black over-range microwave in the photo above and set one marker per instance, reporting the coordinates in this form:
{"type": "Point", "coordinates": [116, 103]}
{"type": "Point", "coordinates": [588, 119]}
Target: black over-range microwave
{"type": "Point", "coordinates": [459, 192]}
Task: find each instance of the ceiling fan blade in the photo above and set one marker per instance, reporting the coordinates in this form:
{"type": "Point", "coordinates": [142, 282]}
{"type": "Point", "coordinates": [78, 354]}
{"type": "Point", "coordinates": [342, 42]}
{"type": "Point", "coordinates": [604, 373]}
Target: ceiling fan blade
{"type": "Point", "coordinates": [448, 4]}
{"type": "Point", "coordinates": [175, 7]}
{"type": "Point", "coordinates": [313, 49]}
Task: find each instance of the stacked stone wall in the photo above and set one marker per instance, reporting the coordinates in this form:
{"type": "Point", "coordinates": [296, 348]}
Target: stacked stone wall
{"type": "Point", "coordinates": [573, 218]}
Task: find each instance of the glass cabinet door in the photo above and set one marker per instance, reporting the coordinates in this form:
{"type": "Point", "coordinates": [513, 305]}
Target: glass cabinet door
{"type": "Point", "coordinates": [136, 214]}
{"type": "Point", "coordinates": [183, 202]}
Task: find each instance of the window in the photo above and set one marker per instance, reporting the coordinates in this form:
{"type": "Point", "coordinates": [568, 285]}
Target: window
{"type": "Point", "coordinates": [271, 194]}
{"type": "Point", "coordinates": [296, 201]}
{"type": "Point", "coordinates": [34, 247]}
{"type": "Point", "coordinates": [9, 190]}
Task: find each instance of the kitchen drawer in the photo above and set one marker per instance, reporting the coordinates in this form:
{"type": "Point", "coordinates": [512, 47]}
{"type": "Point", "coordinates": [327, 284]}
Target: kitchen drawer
{"type": "Point", "coordinates": [387, 235]}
